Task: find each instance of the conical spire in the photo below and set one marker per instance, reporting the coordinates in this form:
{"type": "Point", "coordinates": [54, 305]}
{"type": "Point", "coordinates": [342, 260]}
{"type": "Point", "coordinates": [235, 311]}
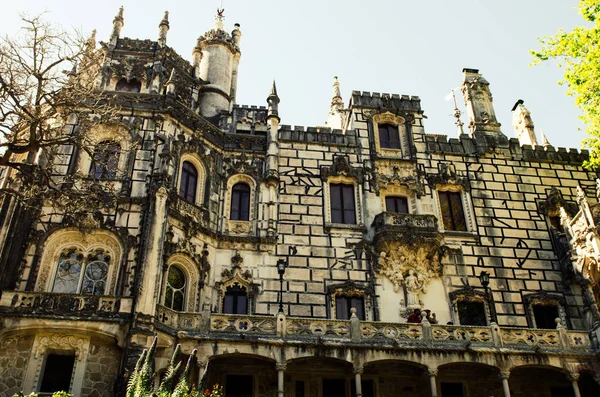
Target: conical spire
{"type": "Point", "coordinates": [545, 142]}
{"type": "Point", "coordinates": [336, 110]}
{"type": "Point", "coordinates": [337, 100]}
{"type": "Point", "coordinates": [163, 28]}
{"type": "Point", "coordinates": [118, 23]}
{"type": "Point", "coordinates": [273, 102]}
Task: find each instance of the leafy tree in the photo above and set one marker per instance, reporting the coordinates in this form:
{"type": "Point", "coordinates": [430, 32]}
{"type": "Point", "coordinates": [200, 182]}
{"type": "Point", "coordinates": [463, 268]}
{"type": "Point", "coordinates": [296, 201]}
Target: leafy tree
{"type": "Point", "coordinates": [48, 102]}
{"type": "Point", "coordinates": [579, 54]}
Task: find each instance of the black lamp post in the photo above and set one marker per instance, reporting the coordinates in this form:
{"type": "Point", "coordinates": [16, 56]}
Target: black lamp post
{"type": "Point", "coordinates": [282, 264]}
{"type": "Point", "coordinates": [484, 279]}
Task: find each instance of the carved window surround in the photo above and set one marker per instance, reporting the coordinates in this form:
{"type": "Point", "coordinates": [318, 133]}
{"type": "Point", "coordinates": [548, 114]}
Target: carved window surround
{"type": "Point", "coordinates": [235, 276]}
{"type": "Point", "coordinates": [240, 227]}
{"type": "Point", "coordinates": [71, 239]}
{"type": "Point", "coordinates": [467, 206]}
{"type": "Point", "coordinates": [398, 191]}
{"type": "Point", "coordinates": [545, 299]}
{"type": "Point", "coordinates": [48, 343]}
{"type": "Point", "coordinates": [342, 172]}
{"type": "Point", "coordinates": [397, 121]}
{"type": "Point", "coordinates": [190, 269]}
{"type": "Point", "coordinates": [102, 133]}
{"type": "Point", "coordinates": [201, 182]}
{"type": "Point", "coordinates": [468, 294]}
{"type": "Point", "coordinates": [351, 289]}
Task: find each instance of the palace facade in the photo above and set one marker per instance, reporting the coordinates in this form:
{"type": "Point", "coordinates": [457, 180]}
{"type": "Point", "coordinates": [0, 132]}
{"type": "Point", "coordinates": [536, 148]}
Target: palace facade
{"type": "Point", "coordinates": [361, 258]}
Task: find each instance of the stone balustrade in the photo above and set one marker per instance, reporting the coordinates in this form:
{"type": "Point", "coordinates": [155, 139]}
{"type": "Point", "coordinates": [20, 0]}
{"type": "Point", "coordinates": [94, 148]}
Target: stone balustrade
{"type": "Point", "coordinates": [388, 221]}
{"type": "Point", "coordinates": [377, 332]}
{"type": "Point", "coordinates": [68, 305]}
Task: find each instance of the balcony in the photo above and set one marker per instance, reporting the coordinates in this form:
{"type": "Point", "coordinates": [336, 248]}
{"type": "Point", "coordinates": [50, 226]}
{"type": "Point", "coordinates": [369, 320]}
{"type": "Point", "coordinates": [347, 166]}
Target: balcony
{"type": "Point", "coordinates": [42, 304]}
{"type": "Point", "coordinates": [375, 333]}
{"type": "Point", "coordinates": [391, 226]}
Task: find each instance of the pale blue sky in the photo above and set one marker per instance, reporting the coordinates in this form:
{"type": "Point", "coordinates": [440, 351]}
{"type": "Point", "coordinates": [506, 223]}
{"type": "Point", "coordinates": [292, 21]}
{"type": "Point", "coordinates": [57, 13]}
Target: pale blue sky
{"type": "Point", "coordinates": [393, 46]}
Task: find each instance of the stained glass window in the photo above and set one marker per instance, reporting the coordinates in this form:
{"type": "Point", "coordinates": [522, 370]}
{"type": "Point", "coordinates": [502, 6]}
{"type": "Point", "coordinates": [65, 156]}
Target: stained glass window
{"type": "Point", "coordinates": [105, 161]}
{"type": "Point", "coordinates": [95, 274]}
{"type": "Point", "coordinates": [68, 273]}
{"type": "Point", "coordinates": [453, 215]}
{"type": "Point", "coordinates": [175, 293]}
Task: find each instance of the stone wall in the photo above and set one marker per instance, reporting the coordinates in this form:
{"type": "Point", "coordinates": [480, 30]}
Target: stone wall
{"type": "Point", "coordinates": [14, 356]}
{"type": "Point", "coordinates": [103, 362]}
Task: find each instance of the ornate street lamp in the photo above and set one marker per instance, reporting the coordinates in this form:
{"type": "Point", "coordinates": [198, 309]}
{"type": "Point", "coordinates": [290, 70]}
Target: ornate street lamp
{"type": "Point", "coordinates": [282, 264]}
{"type": "Point", "coordinates": [484, 279]}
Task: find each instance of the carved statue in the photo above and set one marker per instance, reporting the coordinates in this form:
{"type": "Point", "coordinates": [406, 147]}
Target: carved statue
{"type": "Point", "coordinates": [413, 288]}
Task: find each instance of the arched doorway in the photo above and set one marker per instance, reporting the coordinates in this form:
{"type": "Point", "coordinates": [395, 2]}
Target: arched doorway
{"type": "Point", "coordinates": [242, 375]}
{"type": "Point", "coordinates": [319, 377]}
{"type": "Point", "coordinates": [539, 381]}
{"type": "Point", "coordinates": [466, 379]}
{"type": "Point", "coordinates": [391, 378]}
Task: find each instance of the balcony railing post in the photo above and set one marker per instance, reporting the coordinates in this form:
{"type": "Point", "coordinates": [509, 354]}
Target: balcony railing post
{"type": "Point", "coordinates": [562, 334]}
{"type": "Point", "coordinates": [205, 319]}
{"type": "Point", "coordinates": [281, 324]}
{"type": "Point", "coordinates": [496, 335]}
{"type": "Point", "coordinates": [354, 326]}
{"type": "Point", "coordinates": [426, 328]}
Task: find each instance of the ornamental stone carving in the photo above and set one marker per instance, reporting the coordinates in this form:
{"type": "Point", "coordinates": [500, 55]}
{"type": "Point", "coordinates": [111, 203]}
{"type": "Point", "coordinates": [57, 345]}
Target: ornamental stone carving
{"type": "Point", "coordinates": [411, 267]}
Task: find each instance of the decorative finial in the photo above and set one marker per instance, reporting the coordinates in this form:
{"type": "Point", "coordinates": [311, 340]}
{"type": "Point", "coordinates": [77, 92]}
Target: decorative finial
{"type": "Point", "coordinates": [336, 88]}
{"type": "Point", "coordinates": [219, 18]}
{"type": "Point", "coordinates": [457, 113]}
{"type": "Point", "coordinates": [273, 102]}
{"type": "Point", "coordinates": [274, 90]}
{"type": "Point", "coordinates": [163, 29]}
{"type": "Point", "coordinates": [118, 23]}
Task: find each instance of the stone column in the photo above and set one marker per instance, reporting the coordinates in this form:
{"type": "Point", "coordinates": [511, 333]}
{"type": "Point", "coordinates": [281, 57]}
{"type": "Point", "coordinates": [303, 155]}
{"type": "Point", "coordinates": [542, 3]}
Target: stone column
{"type": "Point", "coordinates": [358, 370]}
{"type": "Point", "coordinates": [202, 366]}
{"type": "Point", "coordinates": [433, 382]}
{"type": "Point", "coordinates": [505, 386]}
{"type": "Point", "coordinates": [280, 367]}
{"type": "Point", "coordinates": [574, 377]}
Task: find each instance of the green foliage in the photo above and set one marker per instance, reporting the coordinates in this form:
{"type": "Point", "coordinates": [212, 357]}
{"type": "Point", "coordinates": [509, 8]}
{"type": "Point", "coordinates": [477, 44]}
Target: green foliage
{"type": "Point", "coordinates": [55, 394]}
{"type": "Point", "coordinates": [175, 383]}
{"type": "Point", "coordinates": [579, 54]}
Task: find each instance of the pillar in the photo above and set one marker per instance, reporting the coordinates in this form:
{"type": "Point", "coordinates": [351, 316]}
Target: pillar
{"type": "Point", "coordinates": [202, 365]}
{"type": "Point", "coordinates": [433, 382]}
{"type": "Point", "coordinates": [358, 370]}
{"type": "Point", "coordinates": [505, 386]}
{"type": "Point", "coordinates": [574, 377]}
{"type": "Point", "coordinates": [280, 367]}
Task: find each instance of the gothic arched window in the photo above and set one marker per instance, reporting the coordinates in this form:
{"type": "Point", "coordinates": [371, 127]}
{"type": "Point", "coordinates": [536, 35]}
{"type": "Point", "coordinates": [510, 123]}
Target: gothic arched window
{"type": "Point", "coordinates": [240, 202]}
{"type": "Point", "coordinates": [176, 286]}
{"type": "Point", "coordinates": [235, 300]}
{"type": "Point", "coordinates": [74, 276]}
{"type": "Point", "coordinates": [132, 85]}
{"type": "Point", "coordinates": [105, 161]}
{"type": "Point", "coordinates": [189, 182]}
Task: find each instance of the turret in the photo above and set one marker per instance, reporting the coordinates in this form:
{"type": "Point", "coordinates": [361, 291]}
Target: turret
{"type": "Point", "coordinates": [335, 119]}
{"type": "Point", "coordinates": [118, 23]}
{"type": "Point", "coordinates": [163, 29]}
{"type": "Point", "coordinates": [478, 101]}
{"type": "Point", "coordinates": [271, 177]}
{"type": "Point", "coordinates": [523, 125]}
{"type": "Point", "coordinates": [197, 56]}
{"type": "Point", "coordinates": [219, 60]}
{"type": "Point", "coordinates": [273, 104]}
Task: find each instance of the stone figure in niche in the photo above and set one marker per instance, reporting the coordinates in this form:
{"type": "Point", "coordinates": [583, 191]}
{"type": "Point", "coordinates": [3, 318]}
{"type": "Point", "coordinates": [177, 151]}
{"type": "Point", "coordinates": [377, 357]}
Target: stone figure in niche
{"type": "Point", "coordinates": [414, 285]}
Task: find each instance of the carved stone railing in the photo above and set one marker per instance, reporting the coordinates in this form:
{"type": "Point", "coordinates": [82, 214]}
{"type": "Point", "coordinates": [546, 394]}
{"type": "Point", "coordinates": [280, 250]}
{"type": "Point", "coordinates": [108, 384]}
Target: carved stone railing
{"type": "Point", "coordinates": [302, 327]}
{"type": "Point", "coordinates": [228, 323]}
{"type": "Point", "coordinates": [178, 320]}
{"type": "Point", "coordinates": [68, 305]}
{"type": "Point", "coordinates": [185, 208]}
{"type": "Point", "coordinates": [389, 221]}
{"type": "Point", "coordinates": [373, 330]}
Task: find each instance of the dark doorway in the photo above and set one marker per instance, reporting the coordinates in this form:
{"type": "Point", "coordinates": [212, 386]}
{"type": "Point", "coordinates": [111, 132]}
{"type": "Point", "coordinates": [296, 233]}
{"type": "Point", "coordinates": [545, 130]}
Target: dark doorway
{"type": "Point", "coordinates": [452, 389]}
{"type": "Point", "coordinates": [545, 316]}
{"type": "Point", "coordinates": [334, 387]}
{"type": "Point", "coordinates": [367, 387]}
{"type": "Point", "coordinates": [239, 386]}
{"type": "Point", "coordinates": [588, 386]}
{"type": "Point", "coordinates": [561, 391]}
{"type": "Point", "coordinates": [471, 313]}
{"type": "Point", "coordinates": [57, 373]}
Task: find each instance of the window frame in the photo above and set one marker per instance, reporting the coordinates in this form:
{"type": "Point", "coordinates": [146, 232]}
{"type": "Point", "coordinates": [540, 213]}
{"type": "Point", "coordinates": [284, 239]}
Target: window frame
{"type": "Point", "coordinates": [239, 227]}
{"type": "Point", "coordinates": [240, 196]}
{"type": "Point", "coordinates": [132, 83]}
{"type": "Point", "coordinates": [85, 261]}
{"type": "Point", "coordinates": [237, 287]}
{"type": "Point", "coordinates": [185, 288]}
{"type": "Point", "coordinates": [388, 118]}
{"type": "Point", "coordinates": [106, 171]}
{"type": "Point", "coordinates": [185, 192]}
{"type": "Point", "coordinates": [360, 311]}
{"type": "Point", "coordinates": [453, 217]}
{"type": "Point", "coordinates": [395, 198]}
{"type": "Point", "coordinates": [385, 131]}
{"type": "Point", "coordinates": [469, 294]}
{"type": "Point", "coordinates": [346, 190]}
{"type": "Point", "coordinates": [547, 299]}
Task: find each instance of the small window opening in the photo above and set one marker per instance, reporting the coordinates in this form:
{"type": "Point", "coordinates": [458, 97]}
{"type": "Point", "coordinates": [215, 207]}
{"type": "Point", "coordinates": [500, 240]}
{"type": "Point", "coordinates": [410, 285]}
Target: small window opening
{"type": "Point", "coordinates": [545, 316]}
{"type": "Point", "coordinates": [343, 305]}
{"type": "Point", "coordinates": [57, 373]}
{"type": "Point", "coordinates": [471, 313]}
